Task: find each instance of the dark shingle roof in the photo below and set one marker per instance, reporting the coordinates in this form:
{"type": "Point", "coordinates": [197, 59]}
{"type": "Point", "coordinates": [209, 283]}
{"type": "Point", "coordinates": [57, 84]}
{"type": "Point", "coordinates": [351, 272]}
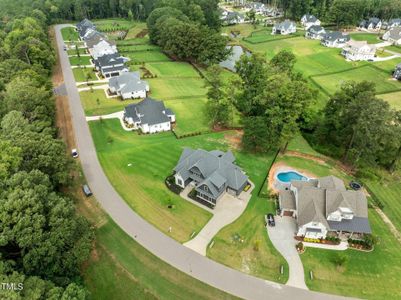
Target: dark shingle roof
{"type": "Point", "coordinates": [109, 60]}
{"type": "Point", "coordinates": [150, 111]}
{"type": "Point", "coordinates": [356, 224]}
{"type": "Point", "coordinates": [335, 35]}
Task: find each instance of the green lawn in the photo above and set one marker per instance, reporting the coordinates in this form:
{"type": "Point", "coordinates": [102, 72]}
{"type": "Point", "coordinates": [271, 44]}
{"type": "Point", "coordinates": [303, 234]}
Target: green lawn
{"type": "Point", "coordinates": [371, 38]}
{"type": "Point", "coordinates": [108, 25]}
{"type": "Point", "coordinates": [172, 69]}
{"type": "Point", "coordinates": [96, 103]}
{"type": "Point", "coordinates": [393, 98]}
{"type": "Point", "coordinates": [74, 51]}
{"type": "Point", "coordinates": [69, 34]}
{"type": "Point", "coordinates": [255, 254]}
{"type": "Point", "coordinates": [80, 61]}
{"type": "Point", "coordinates": [153, 158]}
{"type": "Point", "coordinates": [173, 88]}
{"type": "Point", "coordinates": [83, 74]}
{"type": "Point", "coordinates": [190, 115]}
{"type": "Point", "coordinates": [299, 144]}
{"type": "Point", "coordinates": [266, 36]}
{"type": "Point", "coordinates": [121, 269]}
{"type": "Point", "coordinates": [383, 81]}
{"type": "Point", "coordinates": [388, 190]}
{"type": "Point", "coordinates": [394, 48]}
{"type": "Point", "coordinates": [137, 28]}
{"type": "Point", "coordinates": [133, 41]}
{"type": "Point", "coordinates": [373, 275]}
{"type": "Point", "coordinates": [146, 56]}
{"type": "Point", "coordinates": [141, 47]}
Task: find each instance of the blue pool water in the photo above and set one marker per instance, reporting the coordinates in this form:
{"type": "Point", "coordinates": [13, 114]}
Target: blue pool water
{"type": "Point", "coordinates": [291, 175]}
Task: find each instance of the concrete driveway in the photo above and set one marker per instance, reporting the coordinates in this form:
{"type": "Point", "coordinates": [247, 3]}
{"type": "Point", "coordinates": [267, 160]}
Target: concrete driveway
{"type": "Point", "coordinates": [227, 210]}
{"type": "Point", "coordinates": [282, 237]}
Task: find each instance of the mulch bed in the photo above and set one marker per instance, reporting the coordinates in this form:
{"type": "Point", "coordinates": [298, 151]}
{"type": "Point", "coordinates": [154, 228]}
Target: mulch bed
{"type": "Point", "coordinates": [142, 33]}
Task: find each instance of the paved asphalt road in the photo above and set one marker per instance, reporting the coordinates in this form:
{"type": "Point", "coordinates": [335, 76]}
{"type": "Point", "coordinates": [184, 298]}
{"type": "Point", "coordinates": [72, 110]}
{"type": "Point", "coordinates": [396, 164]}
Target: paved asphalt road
{"type": "Point", "coordinates": [164, 247]}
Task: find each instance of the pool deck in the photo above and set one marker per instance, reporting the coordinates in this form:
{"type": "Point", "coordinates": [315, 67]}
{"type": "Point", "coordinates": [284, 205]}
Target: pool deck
{"type": "Point", "coordinates": [282, 167]}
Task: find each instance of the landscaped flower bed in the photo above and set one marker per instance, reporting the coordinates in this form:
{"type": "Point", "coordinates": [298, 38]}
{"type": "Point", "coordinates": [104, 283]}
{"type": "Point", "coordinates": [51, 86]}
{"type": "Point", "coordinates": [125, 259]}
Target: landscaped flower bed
{"type": "Point", "coordinates": [327, 241]}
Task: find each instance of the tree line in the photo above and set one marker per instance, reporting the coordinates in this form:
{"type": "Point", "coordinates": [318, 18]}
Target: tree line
{"type": "Point", "coordinates": [275, 102]}
{"type": "Point", "coordinates": [43, 242]}
{"type": "Point", "coordinates": [188, 30]}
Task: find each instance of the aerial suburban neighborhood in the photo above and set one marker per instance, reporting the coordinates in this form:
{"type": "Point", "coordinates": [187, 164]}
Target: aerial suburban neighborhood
{"type": "Point", "coordinates": [205, 149]}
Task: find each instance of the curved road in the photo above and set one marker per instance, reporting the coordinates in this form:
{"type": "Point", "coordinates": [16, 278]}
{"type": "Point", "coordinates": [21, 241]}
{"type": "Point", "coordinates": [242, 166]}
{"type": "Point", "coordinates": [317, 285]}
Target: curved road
{"type": "Point", "coordinates": [164, 247]}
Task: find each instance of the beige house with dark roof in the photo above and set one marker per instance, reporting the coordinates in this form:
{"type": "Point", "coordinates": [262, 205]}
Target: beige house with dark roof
{"type": "Point", "coordinates": [323, 205]}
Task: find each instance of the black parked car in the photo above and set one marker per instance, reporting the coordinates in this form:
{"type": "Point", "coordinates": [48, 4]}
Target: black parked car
{"type": "Point", "coordinates": [87, 191]}
{"type": "Point", "coordinates": [270, 220]}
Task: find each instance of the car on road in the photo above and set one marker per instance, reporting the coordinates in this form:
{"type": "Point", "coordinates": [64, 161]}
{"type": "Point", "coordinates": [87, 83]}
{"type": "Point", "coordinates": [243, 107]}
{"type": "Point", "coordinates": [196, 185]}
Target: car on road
{"type": "Point", "coordinates": [269, 220]}
{"type": "Point", "coordinates": [74, 153]}
{"type": "Point", "coordinates": [87, 191]}
{"type": "Point", "coordinates": [65, 48]}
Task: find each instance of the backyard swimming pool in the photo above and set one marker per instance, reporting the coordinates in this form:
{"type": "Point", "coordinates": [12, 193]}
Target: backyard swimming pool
{"type": "Point", "coordinates": [286, 177]}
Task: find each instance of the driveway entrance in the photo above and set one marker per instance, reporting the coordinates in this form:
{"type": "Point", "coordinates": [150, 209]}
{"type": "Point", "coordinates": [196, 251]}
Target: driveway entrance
{"type": "Point", "coordinates": [282, 237]}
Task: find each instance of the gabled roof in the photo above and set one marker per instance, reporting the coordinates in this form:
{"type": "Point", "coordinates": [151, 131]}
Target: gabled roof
{"type": "Point", "coordinates": [396, 21]}
{"type": "Point", "coordinates": [394, 33]}
{"type": "Point", "coordinates": [309, 18]}
{"type": "Point", "coordinates": [285, 25]}
{"type": "Point", "coordinates": [354, 200]}
{"type": "Point", "coordinates": [357, 224]}
{"type": "Point", "coordinates": [311, 206]}
{"type": "Point", "coordinates": [149, 111]}
{"type": "Point", "coordinates": [331, 183]}
{"type": "Point", "coordinates": [109, 60]}
{"type": "Point", "coordinates": [128, 82]}
{"type": "Point", "coordinates": [215, 166]}
{"type": "Point", "coordinates": [315, 29]}
{"type": "Point", "coordinates": [335, 35]}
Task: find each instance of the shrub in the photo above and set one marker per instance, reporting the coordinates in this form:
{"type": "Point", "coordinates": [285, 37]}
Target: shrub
{"type": "Point", "coordinates": [340, 259]}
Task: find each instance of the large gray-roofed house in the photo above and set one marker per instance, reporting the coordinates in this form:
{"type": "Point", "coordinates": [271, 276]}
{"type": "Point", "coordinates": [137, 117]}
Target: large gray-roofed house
{"type": "Point", "coordinates": [284, 28]}
{"type": "Point", "coordinates": [315, 32]}
{"type": "Point", "coordinates": [309, 20]}
{"type": "Point", "coordinates": [83, 26]}
{"type": "Point", "coordinates": [371, 24]}
{"type": "Point", "coordinates": [393, 35]}
{"type": "Point", "coordinates": [129, 85]}
{"type": "Point", "coordinates": [149, 115]}
{"type": "Point", "coordinates": [212, 172]}
{"type": "Point", "coordinates": [111, 65]}
{"type": "Point", "coordinates": [335, 39]}
{"type": "Point", "coordinates": [323, 205]}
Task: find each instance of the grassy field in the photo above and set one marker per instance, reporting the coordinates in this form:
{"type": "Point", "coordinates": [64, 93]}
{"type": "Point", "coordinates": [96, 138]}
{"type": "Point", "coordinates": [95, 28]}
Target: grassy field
{"type": "Point", "coordinates": [119, 268]}
{"type": "Point", "coordinates": [80, 61]}
{"type": "Point", "coordinates": [177, 88]}
{"type": "Point", "coordinates": [393, 98]}
{"type": "Point", "coordinates": [332, 82]}
{"type": "Point", "coordinates": [190, 115]}
{"type": "Point", "coordinates": [69, 34]}
{"type": "Point", "coordinates": [133, 41]}
{"type": "Point", "coordinates": [146, 56]}
{"type": "Point", "coordinates": [141, 47]}
{"type": "Point", "coordinates": [135, 29]}
{"type": "Point", "coordinates": [371, 38]}
{"type": "Point", "coordinates": [266, 36]}
{"type": "Point", "coordinates": [173, 69]}
{"type": "Point", "coordinates": [83, 74]}
{"type": "Point", "coordinates": [394, 48]}
{"type": "Point", "coordinates": [299, 144]}
{"type": "Point", "coordinates": [108, 25]}
{"type": "Point", "coordinates": [96, 103]}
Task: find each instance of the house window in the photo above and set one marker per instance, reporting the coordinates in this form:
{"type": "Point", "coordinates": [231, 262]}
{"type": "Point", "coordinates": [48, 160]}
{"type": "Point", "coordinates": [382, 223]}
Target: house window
{"type": "Point", "coordinates": [179, 181]}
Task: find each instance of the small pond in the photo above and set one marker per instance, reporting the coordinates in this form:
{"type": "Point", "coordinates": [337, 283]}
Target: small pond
{"type": "Point", "coordinates": [229, 63]}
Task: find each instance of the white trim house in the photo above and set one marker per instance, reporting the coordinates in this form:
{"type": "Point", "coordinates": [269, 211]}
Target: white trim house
{"type": "Point", "coordinates": [393, 36]}
{"type": "Point", "coordinates": [284, 28]}
{"type": "Point", "coordinates": [359, 50]}
{"type": "Point", "coordinates": [129, 85]}
{"type": "Point", "coordinates": [309, 20]}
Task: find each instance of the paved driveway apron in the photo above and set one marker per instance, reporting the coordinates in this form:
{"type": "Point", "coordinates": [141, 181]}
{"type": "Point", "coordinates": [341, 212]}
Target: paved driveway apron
{"type": "Point", "coordinates": [282, 237]}
{"type": "Point", "coordinates": [162, 246]}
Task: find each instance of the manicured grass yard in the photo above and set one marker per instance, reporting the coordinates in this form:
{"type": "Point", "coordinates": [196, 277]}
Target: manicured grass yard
{"type": "Point", "coordinates": [146, 56]}
{"type": "Point", "coordinates": [108, 25]}
{"type": "Point", "coordinates": [119, 268]}
{"type": "Point", "coordinates": [172, 69]}
{"type": "Point", "coordinates": [371, 38]}
{"type": "Point", "coordinates": [173, 88]}
{"type": "Point", "coordinates": [83, 74]}
{"type": "Point", "coordinates": [80, 61]}
{"type": "Point", "coordinates": [394, 48]}
{"type": "Point", "coordinates": [104, 106]}
{"type": "Point", "coordinates": [384, 82]}
{"type": "Point", "coordinates": [255, 254]}
{"type": "Point", "coordinates": [69, 34]}
{"type": "Point", "coordinates": [393, 98]}
{"type": "Point", "coordinates": [153, 158]}
{"type": "Point", "coordinates": [299, 144]}
{"type": "Point", "coordinates": [74, 51]}
{"type": "Point", "coordinates": [137, 28]}
{"type": "Point", "coordinates": [265, 36]}
{"type": "Point", "coordinates": [373, 275]}
{"type": "Point", "coordinates": [190, 115]}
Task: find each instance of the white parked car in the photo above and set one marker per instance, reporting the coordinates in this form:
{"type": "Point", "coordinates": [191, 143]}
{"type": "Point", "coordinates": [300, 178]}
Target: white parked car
{"type": "Point", "coordinates": [74, 153]}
